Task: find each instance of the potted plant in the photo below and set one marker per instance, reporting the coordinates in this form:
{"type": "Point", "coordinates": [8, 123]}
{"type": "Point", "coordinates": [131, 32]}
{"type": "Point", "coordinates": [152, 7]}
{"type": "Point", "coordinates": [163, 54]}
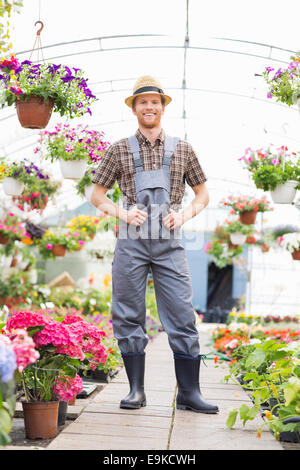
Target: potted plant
{"type": "Point", "coordinates": [86, 224]}
{"type": "Point", "coordinates": [222, 254]}
{"type": "Point", "coordinates": [238, 232]}
{"type": "Point", "coordinates": [74, 148]}
{"type": "Point", "coordinates": [284, 83]}
{"type": "Point", "coordinates": [266, 240]}
{"type": "Point", "coordinates": [246, 207]}
{"type": "Point", "coordinates": [63, 347]}
{"type": "Point", "coordinates": [39, 189]}
{"type": "Point", "coordinates": [11, 229]}
{"type": "Point", "coordinates": [54, 243]}
{"type": "Point", "coordinates": [37, 89]}
{"type": "Point", "coordinates": [14, 176]}
{"type": "Point", "coordinates": [275, 170]}
{"type": "Point", "coordinates": [291, 242]}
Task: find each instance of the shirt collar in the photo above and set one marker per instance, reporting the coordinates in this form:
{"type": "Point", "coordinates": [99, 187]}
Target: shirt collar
{"type": "Point", "coordinates": [141, 138]}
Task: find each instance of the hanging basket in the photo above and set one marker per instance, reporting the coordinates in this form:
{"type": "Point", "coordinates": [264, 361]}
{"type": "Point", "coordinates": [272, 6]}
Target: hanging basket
{"type": "Point", "coordinates": [248, 217]}
{"type": "Point", "coordinates": [40, 419]}
{"type": "Point", "coordinates": [72, 169]}
{"type": "Point", "coordinates": [284, 193]}
{"type": "Point", "coordinates": [296, 255]}
{"type": "Point", "coordinates": [13, 186]}
{"type": "Point", "coordinates": [34, 113]}
{"type": "Point", "coordinates": [238, 238]}
{"type": "Point", "coordinates": [59, 250]}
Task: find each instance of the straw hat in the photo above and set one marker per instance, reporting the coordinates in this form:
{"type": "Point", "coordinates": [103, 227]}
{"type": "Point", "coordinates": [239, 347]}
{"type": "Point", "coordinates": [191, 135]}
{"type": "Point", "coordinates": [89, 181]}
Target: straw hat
{"type": "Point", "coordinates": [147, 85]}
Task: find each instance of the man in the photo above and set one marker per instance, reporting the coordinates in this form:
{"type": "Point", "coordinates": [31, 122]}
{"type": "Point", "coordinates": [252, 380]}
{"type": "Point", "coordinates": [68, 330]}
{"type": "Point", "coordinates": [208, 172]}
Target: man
{"type": "Point", "coordinates": [151, 169]}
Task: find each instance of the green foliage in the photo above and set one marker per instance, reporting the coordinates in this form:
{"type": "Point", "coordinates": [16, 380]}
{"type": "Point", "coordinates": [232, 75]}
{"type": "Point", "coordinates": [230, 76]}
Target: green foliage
{"type": "Point", "coordinates": [6, 8]}
{"type": "Point", "coordinates": [7, 409]}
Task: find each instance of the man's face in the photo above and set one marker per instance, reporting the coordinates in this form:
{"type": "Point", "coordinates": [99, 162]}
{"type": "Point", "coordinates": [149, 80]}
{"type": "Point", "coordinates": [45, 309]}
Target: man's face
{"type": "Point", "coordinates": [148, 109]}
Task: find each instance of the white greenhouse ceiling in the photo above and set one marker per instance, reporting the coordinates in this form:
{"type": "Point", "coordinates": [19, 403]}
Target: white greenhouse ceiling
{"type": "Point", "coordinates": [206, 55]}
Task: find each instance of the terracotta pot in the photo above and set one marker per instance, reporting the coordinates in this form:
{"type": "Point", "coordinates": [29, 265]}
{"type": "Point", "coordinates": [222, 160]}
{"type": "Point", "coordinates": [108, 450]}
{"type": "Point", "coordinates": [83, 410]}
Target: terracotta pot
{"type": "Point", "coordinates": [3, 239]}
{"type": "Point", "coordinates": [296, 255]}
{"type": "Point", "coordinates": [34, 113]}
{"type": "Point", "coordinates": [40, 419]}
{"type": "Point", "coordinates": [265, 248]}
{"type": "Point", "coordinates": [232, 246]}
{"type": "Point", "coordinates": [14, 262]}
{"type": "Point", "coordinates": [3, 301]}
{"type": "Point", "coordinates": [248, 217]}
{"type": "Point", "coordinates": [59, 250]}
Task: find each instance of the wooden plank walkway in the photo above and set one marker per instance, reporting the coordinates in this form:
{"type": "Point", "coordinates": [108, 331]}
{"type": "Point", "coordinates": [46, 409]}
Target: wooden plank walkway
{"type": "Point", "coordinates": [159, 426]}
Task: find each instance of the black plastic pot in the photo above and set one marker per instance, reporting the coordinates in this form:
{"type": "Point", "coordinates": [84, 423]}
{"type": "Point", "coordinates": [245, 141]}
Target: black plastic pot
{"type": "Point", "coordinates": [62, 412]}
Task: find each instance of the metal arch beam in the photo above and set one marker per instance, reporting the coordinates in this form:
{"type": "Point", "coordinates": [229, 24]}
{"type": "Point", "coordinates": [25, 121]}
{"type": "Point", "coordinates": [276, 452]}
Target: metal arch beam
{"type": "Point", "coordinates": [98, 39]}
{"type": "Point", "coordinates": [101, 49]}
{"type": "Point", "coordinates": [211, 49]}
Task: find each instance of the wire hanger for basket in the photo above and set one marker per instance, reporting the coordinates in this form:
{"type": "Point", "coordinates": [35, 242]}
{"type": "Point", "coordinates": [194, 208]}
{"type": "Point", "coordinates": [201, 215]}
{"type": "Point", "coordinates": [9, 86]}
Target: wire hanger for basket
{"type": "Point", "coordinates": [38, 43]}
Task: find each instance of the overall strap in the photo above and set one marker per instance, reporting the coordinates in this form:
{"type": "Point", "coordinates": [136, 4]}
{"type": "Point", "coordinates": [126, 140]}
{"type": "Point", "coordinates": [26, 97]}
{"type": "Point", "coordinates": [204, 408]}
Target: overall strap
{"type": "Point", "coordinates": [170, 145]}
{"type": "Point", "coordinates": [135, 150]}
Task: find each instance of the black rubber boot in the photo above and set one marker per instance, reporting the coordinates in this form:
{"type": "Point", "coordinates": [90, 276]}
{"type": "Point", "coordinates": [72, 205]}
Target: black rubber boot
{"type": "Point", "coordinates": [135, 370]}
{"type": "Point", "coordinates": [189, 396]}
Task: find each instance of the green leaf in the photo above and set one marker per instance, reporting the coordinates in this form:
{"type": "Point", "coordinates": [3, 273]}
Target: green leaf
{"type": "Point", "coordinates": [256, 358]}
{"type": "Point", "coordinates": [11, 402]}
{"type": "Point", "coordinates": [5, 420]}
{"type": "Point", "coordinates": [231, 418]}
{"type": "Point", "coordinates": [244, 410]}
{"type": "Point", "coordinates": [4, 438]}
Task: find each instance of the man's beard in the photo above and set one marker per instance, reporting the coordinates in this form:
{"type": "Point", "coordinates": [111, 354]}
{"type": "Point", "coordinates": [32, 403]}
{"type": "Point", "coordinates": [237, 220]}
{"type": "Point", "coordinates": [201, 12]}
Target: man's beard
{"type": "Point", "coordinates": [151, 125]}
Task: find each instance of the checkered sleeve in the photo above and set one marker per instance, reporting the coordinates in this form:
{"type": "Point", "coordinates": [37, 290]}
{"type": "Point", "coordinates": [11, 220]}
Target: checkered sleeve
{"type": "Point", "coordinates": [194, 174]}
{"type": "Point", "coordinates": [107, 171]}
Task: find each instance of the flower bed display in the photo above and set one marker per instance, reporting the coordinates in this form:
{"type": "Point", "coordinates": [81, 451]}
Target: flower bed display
{"type": "Point", "coordinates": [266, 362]}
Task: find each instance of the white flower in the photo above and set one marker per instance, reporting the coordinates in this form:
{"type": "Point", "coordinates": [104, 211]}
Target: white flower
{"type": "Point", "coordinates": [254, 341]}
{"type": "Point", "coordinates": [291, 241]}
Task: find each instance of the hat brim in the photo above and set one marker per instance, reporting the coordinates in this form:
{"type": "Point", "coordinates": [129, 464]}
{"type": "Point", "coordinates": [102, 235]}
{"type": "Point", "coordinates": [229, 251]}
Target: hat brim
{"type": "Point", "coordinates": [130, 99]}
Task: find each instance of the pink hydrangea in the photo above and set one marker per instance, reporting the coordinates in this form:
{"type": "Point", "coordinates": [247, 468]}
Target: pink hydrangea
{"type": "Point", "coordinates": [24, 349]}
{"type": "Point", "coordinates": [56, 334]}
{"type": "Point", "coordinates": [66, 387]}
{"type": "Point", "coordinates": [21, 320]}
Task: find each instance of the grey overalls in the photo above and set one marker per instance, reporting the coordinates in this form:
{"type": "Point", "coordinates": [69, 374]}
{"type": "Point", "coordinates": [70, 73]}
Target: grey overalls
{"type": "Point", "coordinates": [152, 246]}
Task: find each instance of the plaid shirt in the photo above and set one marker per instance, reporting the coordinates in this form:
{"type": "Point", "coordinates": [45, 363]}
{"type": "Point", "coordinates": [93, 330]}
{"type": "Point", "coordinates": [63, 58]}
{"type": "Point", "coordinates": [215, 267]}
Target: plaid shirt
{"type": "Point", "coordinates": [117, 164]}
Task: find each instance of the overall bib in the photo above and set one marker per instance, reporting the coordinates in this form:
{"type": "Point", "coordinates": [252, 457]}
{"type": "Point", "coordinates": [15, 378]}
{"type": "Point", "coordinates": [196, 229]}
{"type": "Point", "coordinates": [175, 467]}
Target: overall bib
{"type": "Point", "coordinates": [152, 246]}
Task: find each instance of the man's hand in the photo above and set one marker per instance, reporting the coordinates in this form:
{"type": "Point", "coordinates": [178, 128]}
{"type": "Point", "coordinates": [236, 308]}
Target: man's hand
{"type": "Point", "coordinates": [173, 220]}
{"type": "Point", "coordinates": [135, 216]}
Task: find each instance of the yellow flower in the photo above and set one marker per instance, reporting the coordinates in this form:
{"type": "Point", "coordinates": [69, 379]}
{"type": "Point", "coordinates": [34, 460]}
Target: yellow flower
{"type": "Point", "coordinates": [107, 279]}
{"type": "Point", "coordinates": [268, 414]}
{"type": "Point", "coordinates": [27, 241]}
